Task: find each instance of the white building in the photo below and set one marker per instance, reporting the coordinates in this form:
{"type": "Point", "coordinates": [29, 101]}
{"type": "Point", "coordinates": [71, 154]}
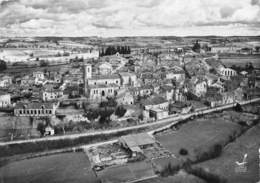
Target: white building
{"type": "Point", "coordinates": [105, 68]}
{"type": "Point", "coordinates": [38, 75]}
{"type": "Point", "coordinates": [100, 86]}
{"type": "Point", "coordinates": [34, 109]}
{"type": "Point", "coordinates": [51, 94]}
{"type": "Point", "coordinates": [176, 73]}
{"type": "Point", "coordinates": [5, 100]}
{"type": "Point", "coordinates": [227, 73]}
{"type": "Point", "coordinates": [5, 81]}
{"type": "Point", "coordinates": [125, 99]}
{"type": "Point", "coordinates": [128, 79]}
{"type": "Point", "coordinates": [198, 87]}
{"type": "Point", "coordinates": [101, 92]}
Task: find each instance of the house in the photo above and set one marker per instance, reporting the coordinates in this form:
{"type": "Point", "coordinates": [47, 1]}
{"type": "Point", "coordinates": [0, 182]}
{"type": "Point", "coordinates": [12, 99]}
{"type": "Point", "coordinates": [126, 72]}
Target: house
{"type": "Point", "coordinates": [34, 109]}
{"type": "Point", "coordinates": [227, 73]}
{"type": "Point", "coordinates": [51, 94]}
{"type": "Point", "coordinates": [176, 73]}
{"type": "Point", "coordinates": [214, 100]}
{"type": "Point", "coordinates": [179, 107]}
{"type": "Point", "coordinates": [105, 68]}
{"type": "Point", "coordinates": [99, 92]}
{"type": "Point", "coordinates": [125, 99]}
{"type": "Point", "coordinates": [27, 80]}
{"type": "Point", "coordinates": [224, 49]}
{"type": "Point", "coordinates": [5, 81]}
{"type": "Point", "coordinates": [128, 79]}
{"type": "Point", "coordinates": [135, 143]}
{"type": "Point", "coordinates": [5, 99]}
{"type": "Point", "coordinates": [158, 113]}
{"type": "Point", "coordinates": [167, 92]}
{"type": "Point", "coordinates": [145, 90]}
{"type": "Point", "coordinates": [49, 131]}
{"type": "Point", "coordinates": [38, 75]}
{"type": "Point", "coordinates": [198, 86]}
{"type": "Point", "coordinates": [155, 102]}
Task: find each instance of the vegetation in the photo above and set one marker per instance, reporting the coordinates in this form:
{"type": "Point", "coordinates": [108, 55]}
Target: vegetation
{"type": "Point", "coordinates": [29, 147]}
{"type": "Point", "coordinates": [183, 152]}
{"type": "Point", "coordinates": [2, 65]}
{"type": "Point", "coordinates": [43, 63]}
{"type": "Point", "coordinates": [120, 111]}
{"type": "Point", "coordinates": [196, 47]}
{"type": "Point", "coordinates": [111, 50]}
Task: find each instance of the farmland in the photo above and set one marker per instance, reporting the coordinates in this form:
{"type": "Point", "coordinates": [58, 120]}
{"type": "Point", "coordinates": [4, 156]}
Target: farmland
{"type": "Point", "coordinates": [128, 172]}
{"type": "Point", "coordinates": [67, 167]}
{"type": "Point", "coordinates": [225, 164]}
{"type": "Point", "coordinates": [199, 135]}
{"type": "Point", "coordinates": [180, 177]}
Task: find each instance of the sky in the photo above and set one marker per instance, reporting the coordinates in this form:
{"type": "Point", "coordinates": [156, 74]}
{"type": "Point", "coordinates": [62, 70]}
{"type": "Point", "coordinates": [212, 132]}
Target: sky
{"type": "Point", "coordinates": [111, 18]}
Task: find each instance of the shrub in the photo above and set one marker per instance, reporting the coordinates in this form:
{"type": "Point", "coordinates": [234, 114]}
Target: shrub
{"type": "Point", "coordinates": [207, 176]}
{"type": "Point", "coordinates": [169, 170]}
{"type": "Point", "coordinates": [183, 152]}
{"type": "Point", "coordinates": [120, 111]}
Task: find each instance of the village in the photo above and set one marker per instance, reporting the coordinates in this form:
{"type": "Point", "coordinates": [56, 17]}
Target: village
{"type": "Point", "coordinates": [114, 87]}
{"type": "Point", "coordinates": [113, 109]}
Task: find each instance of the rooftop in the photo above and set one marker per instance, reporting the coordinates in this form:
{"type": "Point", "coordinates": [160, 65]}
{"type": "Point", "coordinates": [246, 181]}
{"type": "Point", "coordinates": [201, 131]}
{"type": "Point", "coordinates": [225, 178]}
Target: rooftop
{"type": "Point", "coordinates": [155, 100]}
{"type": "Point", "coordinates": [137, 140]}
{"type": "Point", "coordinates": [34, 105]}
{"type": "Point", "coordinates": [110, 76]}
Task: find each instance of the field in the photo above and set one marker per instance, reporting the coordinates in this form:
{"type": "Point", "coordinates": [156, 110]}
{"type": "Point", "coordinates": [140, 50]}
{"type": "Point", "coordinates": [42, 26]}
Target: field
{"type": "Point", "coordinates": [179, 178]}
{"type": "Point", "coordinates": [241, 61]}
{"type": "Point", "coordinates": [198, 135]}
{"type": "Point", "coordinates": [225, 164]}
{"type": "Point", "coordinates": [7, 123]}
{"type": "Point", "coordinates": [128, 172]}
{"type": "Point", "coordinates": [61, 168]}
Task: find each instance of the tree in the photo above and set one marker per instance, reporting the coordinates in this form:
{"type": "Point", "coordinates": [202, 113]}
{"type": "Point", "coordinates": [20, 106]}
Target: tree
{"type": "Point", "coordinates": [196, 47]}
{"type": "Point", "coordinates": [2, 65]}
{"type": "Point", "coordinates": [43, 63]}
{"type": "Point", "coordinates": [120, 111]}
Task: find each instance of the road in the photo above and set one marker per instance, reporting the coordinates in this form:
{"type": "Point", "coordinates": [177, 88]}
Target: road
{"type": "Point", "coordinates": [174, 119]}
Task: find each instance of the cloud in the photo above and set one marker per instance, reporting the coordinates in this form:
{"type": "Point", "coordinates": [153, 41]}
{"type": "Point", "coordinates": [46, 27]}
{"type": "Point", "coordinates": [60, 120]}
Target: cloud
{"type": "Point", "coordinates": [124, 17]}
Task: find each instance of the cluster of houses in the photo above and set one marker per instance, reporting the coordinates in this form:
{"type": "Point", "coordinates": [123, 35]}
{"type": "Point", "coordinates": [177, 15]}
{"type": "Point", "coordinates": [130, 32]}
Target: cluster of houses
{"type": "Point", "coordinates": [158, 85]}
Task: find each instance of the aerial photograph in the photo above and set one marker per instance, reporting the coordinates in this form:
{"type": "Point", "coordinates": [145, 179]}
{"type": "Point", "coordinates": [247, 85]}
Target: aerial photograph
{"type": "Point", "coordinates": [129, 91]}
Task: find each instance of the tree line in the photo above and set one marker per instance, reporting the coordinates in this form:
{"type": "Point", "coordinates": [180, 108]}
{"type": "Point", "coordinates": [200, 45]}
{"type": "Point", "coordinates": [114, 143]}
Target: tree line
{"type": "Point", "coordinates": [111, 50]}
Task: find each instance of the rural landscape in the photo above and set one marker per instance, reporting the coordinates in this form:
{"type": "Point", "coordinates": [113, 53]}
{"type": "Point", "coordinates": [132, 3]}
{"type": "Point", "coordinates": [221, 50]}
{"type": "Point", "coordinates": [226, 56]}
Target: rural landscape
{"type": "Point", "coordinates": [100, 92]}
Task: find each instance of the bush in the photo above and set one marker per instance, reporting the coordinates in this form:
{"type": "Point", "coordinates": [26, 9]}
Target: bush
{"type": "Point", "coordinates": [213, 152]}
{"type": "Point", "coordinates": [43, 63]}
{"type": "Point", "coordinates": [2, 65]}
{"type": "Point", "coordinates": [207, 176]}
{"type": "Point", "coordinates": [120, 111]}
{"type": "Point", "coordinates": [183, 152]}
{"type": "Point", "coordinates": [30, 147]}
{"type": "Point", "coordinates": [169, 170]}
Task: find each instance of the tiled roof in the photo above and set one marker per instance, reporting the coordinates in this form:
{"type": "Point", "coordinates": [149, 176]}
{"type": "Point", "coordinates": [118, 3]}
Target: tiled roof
{"type": "Point", "coordinates": [110, 76]}
{"type": "Point", "coordinates": [34, 105]}
{"type": "Point", "coordinates": [154, 100]}
{"type": "Point", "coordinates": [137, 140]}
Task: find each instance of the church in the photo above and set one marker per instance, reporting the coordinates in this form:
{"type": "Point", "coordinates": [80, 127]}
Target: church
{"type": "Point", "coordinates": [100, 86]}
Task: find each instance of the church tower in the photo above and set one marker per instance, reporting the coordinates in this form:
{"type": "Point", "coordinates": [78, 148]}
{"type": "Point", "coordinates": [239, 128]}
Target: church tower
{"type": "Point", "coordinates": [87, 74]}
{"type": "Point", "coordinates": [87, 71]}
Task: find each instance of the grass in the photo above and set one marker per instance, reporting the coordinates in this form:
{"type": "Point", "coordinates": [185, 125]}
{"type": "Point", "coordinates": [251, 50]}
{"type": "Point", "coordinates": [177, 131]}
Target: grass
{"type": "Point", "coordinates": [61, 168]}
{"type": "Point", "coordinates": [127, 172]}
{"type": "Point", "coordinates": [199, 135]}
{"type": "Point", "coordinates": [225, 164]}
{"type": "Point", "coordinates": [178, 178]}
